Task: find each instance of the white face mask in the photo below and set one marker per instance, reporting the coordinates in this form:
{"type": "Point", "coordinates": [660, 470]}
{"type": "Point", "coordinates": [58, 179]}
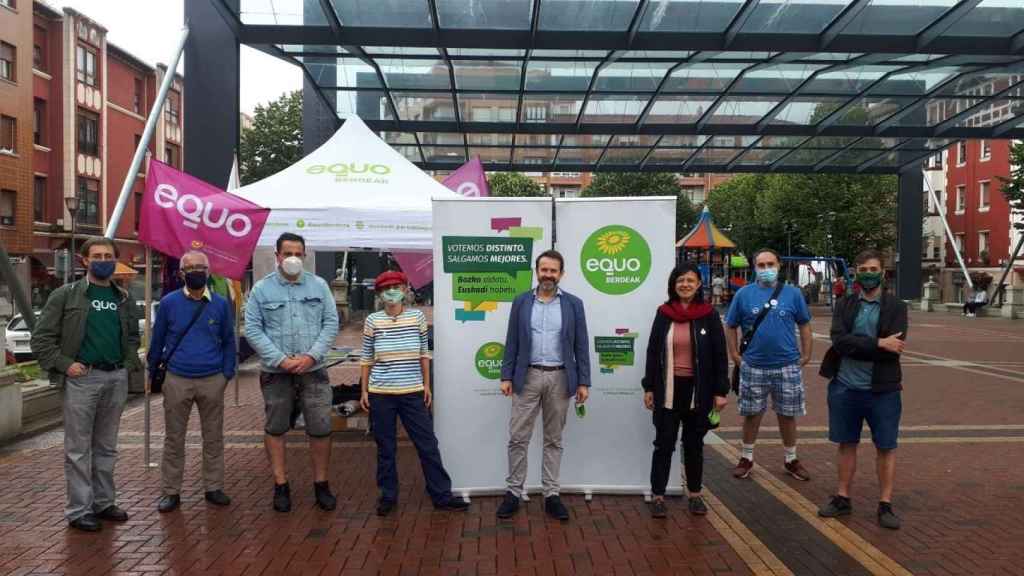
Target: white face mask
{"type": "Point", "coordinates": [292, 265]}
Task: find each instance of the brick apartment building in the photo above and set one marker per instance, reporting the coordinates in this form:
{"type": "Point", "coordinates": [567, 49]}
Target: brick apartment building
{"type": "Point", "coordinates": [76, 105]}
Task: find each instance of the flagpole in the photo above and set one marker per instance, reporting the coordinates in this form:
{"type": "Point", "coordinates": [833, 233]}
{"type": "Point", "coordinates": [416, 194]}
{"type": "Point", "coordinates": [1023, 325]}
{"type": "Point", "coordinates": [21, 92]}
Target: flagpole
{"type": "Point", "coordinates": [147, 133]}
{"type": "Point", "coordinates": [147, 332]}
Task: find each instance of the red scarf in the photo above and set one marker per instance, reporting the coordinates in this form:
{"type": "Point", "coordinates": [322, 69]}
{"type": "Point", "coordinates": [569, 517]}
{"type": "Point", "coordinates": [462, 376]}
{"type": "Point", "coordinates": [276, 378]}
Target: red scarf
{"type": "Point", "coordinates": [678, 313]}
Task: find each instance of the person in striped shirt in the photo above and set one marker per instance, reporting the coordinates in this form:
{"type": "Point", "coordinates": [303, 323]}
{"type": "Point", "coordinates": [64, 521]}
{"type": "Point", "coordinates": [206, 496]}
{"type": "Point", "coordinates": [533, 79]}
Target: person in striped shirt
{"type": "Point", "coordinates": [396, 384]}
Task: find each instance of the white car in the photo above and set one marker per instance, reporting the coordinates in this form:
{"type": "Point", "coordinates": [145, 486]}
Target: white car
{"type": "Point", "coordinates": [17, 338]}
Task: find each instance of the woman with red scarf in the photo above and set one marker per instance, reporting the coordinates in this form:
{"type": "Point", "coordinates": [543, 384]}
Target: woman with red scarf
{"type": "Point", "coordinates": [687, 378]}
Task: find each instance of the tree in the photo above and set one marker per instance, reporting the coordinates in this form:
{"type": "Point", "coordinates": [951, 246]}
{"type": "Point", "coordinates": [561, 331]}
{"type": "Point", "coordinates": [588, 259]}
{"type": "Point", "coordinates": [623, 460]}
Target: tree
{"type": "Point", "coordinates": [275, 140]}
{"type": "Point", "coordinates": [514, 184]}
{"type": "Point", "coordinates": [828, 214]}
{"type": "Point", "coordinates": [1013, 187]}
{"type": "Point", "coordinates": [645, 184]}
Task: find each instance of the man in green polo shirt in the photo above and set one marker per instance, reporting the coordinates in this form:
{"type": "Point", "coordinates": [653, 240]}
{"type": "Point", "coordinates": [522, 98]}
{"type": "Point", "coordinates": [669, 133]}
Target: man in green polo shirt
{"type": "Point", "coordinates": [87, 339]}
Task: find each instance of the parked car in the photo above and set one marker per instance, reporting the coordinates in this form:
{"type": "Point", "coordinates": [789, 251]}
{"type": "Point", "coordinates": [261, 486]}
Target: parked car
{"type": "Point", "coordinates": [17, 338]}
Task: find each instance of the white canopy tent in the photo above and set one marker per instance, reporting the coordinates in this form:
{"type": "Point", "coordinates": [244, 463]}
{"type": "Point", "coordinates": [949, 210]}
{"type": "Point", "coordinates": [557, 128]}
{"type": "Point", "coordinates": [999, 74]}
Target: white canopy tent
{"type": "Point", "coordinates": [355, 191]}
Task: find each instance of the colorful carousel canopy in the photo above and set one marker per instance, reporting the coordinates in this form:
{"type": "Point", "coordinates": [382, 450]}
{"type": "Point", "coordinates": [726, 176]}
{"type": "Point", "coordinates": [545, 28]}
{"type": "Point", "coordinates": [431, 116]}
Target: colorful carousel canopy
{"type": "Point", "coordinates": [706, 235]}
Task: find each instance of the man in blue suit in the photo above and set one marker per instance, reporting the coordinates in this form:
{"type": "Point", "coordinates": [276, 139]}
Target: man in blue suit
{"type": "Point", "coordinates": [547, 362]}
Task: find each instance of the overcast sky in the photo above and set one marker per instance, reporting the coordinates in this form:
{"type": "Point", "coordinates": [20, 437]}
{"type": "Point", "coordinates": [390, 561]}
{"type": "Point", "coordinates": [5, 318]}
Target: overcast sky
{"type": "Point", "coordinates": [150, 29]}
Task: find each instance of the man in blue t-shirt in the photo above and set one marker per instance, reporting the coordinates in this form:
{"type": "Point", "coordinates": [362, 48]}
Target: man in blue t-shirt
{"type": "Point", "coordinates": [772, 362]}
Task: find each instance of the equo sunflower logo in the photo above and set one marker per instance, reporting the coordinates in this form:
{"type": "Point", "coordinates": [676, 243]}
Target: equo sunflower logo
{"type": "Point", "coordinates": [197, 244]}
{"type": "Point", "coordinates": [300, 223]}
{"type": "Point", "coordinates": [615, 259]}
{"type": "Point", "coordinates": [488, 360]}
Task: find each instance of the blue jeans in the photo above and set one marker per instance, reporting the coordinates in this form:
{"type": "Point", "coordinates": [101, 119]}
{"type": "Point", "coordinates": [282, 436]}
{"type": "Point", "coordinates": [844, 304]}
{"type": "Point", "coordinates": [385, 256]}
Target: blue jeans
{"type": "Point", "coordinates": [385, 409]}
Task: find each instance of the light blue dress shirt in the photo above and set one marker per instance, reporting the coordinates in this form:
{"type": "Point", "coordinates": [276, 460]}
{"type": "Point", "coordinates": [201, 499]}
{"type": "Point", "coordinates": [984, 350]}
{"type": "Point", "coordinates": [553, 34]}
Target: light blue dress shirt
{"type": "Point", "coordinates": [546, 331]}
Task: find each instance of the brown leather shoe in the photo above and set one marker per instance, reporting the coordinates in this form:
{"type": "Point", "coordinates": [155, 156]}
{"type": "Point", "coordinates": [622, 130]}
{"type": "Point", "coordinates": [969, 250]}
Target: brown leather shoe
{"type": "Point", "coordinates": [797, 470]}
{"type": "Point", "coordinates": [743, 468]}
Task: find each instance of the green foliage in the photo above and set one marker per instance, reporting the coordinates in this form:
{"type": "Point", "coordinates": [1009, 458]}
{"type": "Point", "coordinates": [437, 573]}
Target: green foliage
{"type": "Point", "coordinates": [275, 140]}
{"type": "Point", "coordinates": [1013, 187]}
{"type": "Point", "coordinates": [514, 184]}
{"type": "Point", "coordinates": [645, 184]}
{"type": "Point", "coordinates": [858, 211]}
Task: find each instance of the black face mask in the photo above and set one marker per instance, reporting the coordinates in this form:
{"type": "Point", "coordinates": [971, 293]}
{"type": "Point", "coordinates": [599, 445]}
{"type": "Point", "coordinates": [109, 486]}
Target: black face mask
{"type": "Point", "coordinates": [195, 280]}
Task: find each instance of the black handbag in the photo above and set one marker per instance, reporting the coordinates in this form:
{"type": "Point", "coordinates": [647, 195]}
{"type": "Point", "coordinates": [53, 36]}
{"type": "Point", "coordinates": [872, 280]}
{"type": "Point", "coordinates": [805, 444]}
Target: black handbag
{"type": "Point", "coordinates": [749, 335]}
{"type": "Point", "coordinates": [159, 373]}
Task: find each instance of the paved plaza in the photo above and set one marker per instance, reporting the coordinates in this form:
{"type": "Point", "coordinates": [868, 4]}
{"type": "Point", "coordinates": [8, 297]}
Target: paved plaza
{"type": "Point", "coordinates": [960, 493]}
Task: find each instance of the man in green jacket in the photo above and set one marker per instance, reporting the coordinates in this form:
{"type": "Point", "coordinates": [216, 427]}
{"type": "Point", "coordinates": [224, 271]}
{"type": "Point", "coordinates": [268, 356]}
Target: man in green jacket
{"type": "Point", "coordinates": [87, 339]}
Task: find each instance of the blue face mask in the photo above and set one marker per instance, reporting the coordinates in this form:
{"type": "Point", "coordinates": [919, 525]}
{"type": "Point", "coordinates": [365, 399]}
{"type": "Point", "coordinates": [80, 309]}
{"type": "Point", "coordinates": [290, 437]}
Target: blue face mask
{"type": "Point", "coordinates": [767, 276]}
{"type": "Point", "coordinates": [102, 269]}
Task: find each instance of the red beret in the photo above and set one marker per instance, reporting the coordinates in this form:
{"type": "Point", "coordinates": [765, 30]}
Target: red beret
{"type": "Point", "coordinates": [389, 278]}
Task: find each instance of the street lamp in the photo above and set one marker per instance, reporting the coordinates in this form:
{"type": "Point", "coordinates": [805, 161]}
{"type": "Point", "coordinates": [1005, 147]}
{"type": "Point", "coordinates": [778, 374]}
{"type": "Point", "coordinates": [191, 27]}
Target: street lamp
{"type": "Point", "coordinates": [72, 204]}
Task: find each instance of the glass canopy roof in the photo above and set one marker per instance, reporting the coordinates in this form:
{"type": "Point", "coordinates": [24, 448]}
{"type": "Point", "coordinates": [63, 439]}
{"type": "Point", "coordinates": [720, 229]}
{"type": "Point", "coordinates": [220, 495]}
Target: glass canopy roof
{"type": "Point", "coordinates": [658, 85]}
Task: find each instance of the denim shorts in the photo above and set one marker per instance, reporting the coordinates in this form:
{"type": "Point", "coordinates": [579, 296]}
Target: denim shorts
{"type": "Point", "coordinates": [283, 394]}
{"type": "Point", "coordinates": [848, 408]}
{"type": "Point", "coordinates": [785, 385]}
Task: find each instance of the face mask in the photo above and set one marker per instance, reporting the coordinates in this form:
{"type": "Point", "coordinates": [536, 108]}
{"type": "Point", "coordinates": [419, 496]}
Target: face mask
{"type": "Point", "coordinates": [767, 276]}
{"type": "Point", "coordinates": [392, 296]}
{"type": "Point", "coordinates": [869, 280]}
{"type": "Point", "coordinates": [102, 269]}
{"type": "Point", "coordinates": [195, 280]}
{"type": "Point", "coordinates": [292, 265]}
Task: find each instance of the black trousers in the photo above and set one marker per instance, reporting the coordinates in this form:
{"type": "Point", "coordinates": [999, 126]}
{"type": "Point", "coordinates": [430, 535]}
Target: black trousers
{"type": "Point", "coordinates": [666, 426]}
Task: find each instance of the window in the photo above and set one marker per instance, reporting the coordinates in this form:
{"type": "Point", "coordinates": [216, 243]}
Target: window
{"type": "Point", "coordinates": [8, 202]}
{"type": "Point", "coordinates": [39, 199]}
{"type": "Point", "coordinates": [983, 246]}
{"type": "Point", "coordinates": [172, 156]}
{"type": "Point", "coordinates": [986, 150]}
{"type": "Point", "coordinates": [85, 65]}
{"type": "Point", "coordinates": [961, 153]}
{"type": "Point", "coordinates": [983, 196]}
{"type": "Point", "coordinates": [137, 97]}
{"type": "Point", "coordinates": [39, 122]}
{"type": "Point", "coordinates": [8, 134]}
{"type": "Point", "coordinates": [171, 109]}
{"type": "Point", "coordinates": [935, 162]}
{"type": "Point", "coordinates": [959, 243]}
{"type": "Point", "coordinates": [9, 3]}
{"type": "Point", "coordinates": [89, 201]}
{"type": "Point", "coordinates": [88, 134]}
{"type": "Point", "coordinates": [536, 113]}
{"type": "Point", "coordinates": [8, 61]}
{"type": "Point", "coordinates": [138, 210]}
{"type": "Point", "coordinates": [961, 199]}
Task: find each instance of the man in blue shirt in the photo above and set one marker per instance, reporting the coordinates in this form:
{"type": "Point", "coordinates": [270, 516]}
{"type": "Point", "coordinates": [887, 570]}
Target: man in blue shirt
{"type": "Point", "coordinates": [291, 322]}
{"type": "Point", "coordinates": [772, 362]}
{"type": "Point", "coordinates": [547, 362]}
{"type": "Point", "coordinates": [868, 334]}
{"type": "Point", "coordinates": [202, 363]}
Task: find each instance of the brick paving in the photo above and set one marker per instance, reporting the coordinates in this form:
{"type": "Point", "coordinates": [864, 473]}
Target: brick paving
{"type": "Point", "coordinates": [958, 491]}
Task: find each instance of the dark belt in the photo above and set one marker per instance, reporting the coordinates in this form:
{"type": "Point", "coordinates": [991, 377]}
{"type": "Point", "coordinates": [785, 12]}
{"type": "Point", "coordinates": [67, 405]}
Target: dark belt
{"type": "Point", "coordinates": [547, 368]}
{"type": "Point", "coordinates": [106, 367]}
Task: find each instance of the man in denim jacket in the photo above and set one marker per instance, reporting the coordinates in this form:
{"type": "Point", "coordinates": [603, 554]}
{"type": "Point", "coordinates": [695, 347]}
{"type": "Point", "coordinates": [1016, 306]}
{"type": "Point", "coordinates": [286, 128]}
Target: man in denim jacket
{"type": "Point", "coordinates": [291, 322]}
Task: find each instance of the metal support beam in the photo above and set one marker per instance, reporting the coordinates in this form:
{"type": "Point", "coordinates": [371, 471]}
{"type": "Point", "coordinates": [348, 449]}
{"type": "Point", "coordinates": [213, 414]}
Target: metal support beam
{"type": "Point", "coordinates": [689, 161]}
{"type": "Point", "coordinates": [835, 27]}
{"type": "Point", "coordinates": [909, 230]}
{"type": "Point", "coordinates": [736, 159]}
{"type": "Point", "coordinates": [826, 160]}
{"type": "Point", "coordinates": [941, 207]}
{"type": "Point", "coordinates": [945, 125]}
{"type": "Point", "coordinates": [738, 21]}
{"type": "Point", "coordinates": [933, 31]}
{"type": "Point", "coordinates": [864, 166]}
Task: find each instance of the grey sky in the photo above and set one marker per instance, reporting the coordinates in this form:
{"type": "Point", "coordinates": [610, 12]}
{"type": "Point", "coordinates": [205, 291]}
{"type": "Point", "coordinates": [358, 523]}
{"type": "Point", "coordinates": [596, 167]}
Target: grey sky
{"type": "Point", "coordinates": [150, 29]}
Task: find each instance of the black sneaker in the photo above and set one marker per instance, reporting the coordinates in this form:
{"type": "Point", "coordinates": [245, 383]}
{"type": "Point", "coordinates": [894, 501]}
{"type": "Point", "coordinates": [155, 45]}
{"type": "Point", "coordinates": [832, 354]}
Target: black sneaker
{"type": "Point", "coordinates": [113, 513]}
{"type": "Point", "coordinates": [697, 506]}
{"type": "Point", "coordinates": [324, 499]}
{"type": "Point", "coordinates": [168, 503]}
{"type": "Point", "coordinates": [384, 507]}
{"type": "Point", "coordinates": [282, 498]}
{"type": "Point", "coordinates": [658, 509]}
{"type": "Point", "coordinates": [87, 523]}
{"type": "Point", "coordinates": [886, 517]}
{"type": "Point", "coordinates": [217, 498]}
{"type": "Point", "coordinates": [509, 506]}
{"type": "Point", "coordinates": [836, 507]}
{"type": "Point", "coordinates": [554, 507]}
{"type": "Point", "coordinates": [453, 504]}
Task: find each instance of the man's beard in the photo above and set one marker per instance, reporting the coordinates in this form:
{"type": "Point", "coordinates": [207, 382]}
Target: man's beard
{"type": "Point", "coordinates": [548, 283]}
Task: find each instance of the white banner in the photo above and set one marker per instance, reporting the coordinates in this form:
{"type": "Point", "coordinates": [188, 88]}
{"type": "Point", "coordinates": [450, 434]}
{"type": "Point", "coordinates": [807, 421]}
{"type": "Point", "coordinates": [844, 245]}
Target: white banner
{"type": "Point", "coordinates": [618, 256]}
{"type": "Point", "coordinates": [484, 250]}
